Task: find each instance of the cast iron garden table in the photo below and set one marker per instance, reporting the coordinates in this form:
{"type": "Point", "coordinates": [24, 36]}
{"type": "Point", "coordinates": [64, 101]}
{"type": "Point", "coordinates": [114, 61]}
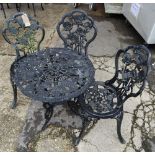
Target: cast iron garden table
{"type": "Point", "coordinates": [53, 76]}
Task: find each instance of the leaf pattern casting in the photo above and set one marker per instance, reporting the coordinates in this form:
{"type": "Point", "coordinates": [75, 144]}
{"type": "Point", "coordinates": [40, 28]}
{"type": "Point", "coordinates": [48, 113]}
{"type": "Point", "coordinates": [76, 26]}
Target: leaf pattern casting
{"type": "Point", "coordinates": [77, 30]}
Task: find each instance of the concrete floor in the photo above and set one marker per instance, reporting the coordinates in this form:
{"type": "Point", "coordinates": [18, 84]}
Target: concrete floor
{"type": "Point", "coordinates": [20, 128]}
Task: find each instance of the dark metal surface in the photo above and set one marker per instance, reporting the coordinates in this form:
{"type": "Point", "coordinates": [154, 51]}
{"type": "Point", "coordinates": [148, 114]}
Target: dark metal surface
{"type": "Point", "coordinates": [48, 114]}
{"type": "Point", "coordinates": [77, 30]}
{"type": "Point", "coordinates": [132, 67]}
{"type": "Point", "coordinates": [25, 39]}
{"type": "Point", "coordinates": [100, 100]}
{"type": "Point", "coordinates": [53, 75]}
{"type": "Point", "coordinates": [105, 100]}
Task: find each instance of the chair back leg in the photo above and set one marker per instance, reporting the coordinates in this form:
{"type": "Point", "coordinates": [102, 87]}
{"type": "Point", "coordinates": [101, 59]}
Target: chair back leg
{"type": "Point", "coordinates": [2, 8]}
{"type": "Point", "coordinates": [119, 123]}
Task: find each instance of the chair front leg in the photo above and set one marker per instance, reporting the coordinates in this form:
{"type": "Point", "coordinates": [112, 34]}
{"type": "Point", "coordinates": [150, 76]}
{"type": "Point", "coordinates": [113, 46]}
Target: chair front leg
{"type": "Point", "coordinates": [85, 124]}
{"type": "Point", "coordinates": [14, 102]}
{"type": "Point", "coordinates": [119, 123]}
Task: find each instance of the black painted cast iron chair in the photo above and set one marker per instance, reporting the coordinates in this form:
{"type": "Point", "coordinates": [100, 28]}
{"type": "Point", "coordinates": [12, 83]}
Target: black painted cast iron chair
{"type": "Point", "coordinates": [105, 100]}
{"type": "Point", "coordinates": [25, 34]}
{"type": "Point", "coordinates": [77, 30]}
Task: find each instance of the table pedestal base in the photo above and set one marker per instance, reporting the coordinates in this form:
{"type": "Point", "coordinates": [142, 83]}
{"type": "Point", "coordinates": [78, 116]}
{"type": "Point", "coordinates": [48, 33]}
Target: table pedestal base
{"type": "Point", "coordinates": [48, 113]}
{"type": "Point", "coordinates": [87, 123]}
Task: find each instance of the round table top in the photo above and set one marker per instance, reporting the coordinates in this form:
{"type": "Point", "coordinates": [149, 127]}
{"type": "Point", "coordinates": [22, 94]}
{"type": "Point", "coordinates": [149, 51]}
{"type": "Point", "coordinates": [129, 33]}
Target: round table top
{"type": "Point", "coordinates": [53, 75]}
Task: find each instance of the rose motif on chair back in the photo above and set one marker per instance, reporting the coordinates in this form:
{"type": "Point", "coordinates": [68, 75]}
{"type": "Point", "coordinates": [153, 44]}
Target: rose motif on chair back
{"type": "Point", "coordinates": [77, 30]}
{"type": "Point", "coordinates": [25, 39]}
{"type": "Point", "coordinates": [132, 67]}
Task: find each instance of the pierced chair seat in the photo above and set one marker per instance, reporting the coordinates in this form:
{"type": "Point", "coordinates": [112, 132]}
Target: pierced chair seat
{"type": "Point", "coordinates": [100, 101]}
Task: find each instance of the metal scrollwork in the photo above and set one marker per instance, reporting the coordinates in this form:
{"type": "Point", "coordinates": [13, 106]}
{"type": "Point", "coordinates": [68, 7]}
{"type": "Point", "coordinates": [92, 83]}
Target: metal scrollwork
{"type": "Point", "coordinates": [77, 30]}
{"type": "Point", "coordinates": [105, 100]}
{"type": "Point", "coordinates": [25, 39]}
{"type": "Point", "coordinates": [100, 99]}
{"type": "Point", "coordinates": [132, 67]}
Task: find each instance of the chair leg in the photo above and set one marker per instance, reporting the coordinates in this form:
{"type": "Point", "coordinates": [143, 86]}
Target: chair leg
{"type": "Point", "coordinates": [28, 5]}
{"type": "Point", "coordinates": [85, 124]}
{"type": "Point", "coordinates": [119, 122]}
{"type": "Point", "coordinates": [14, 102]}
{"type": "Point", "coordinates": [42, 6]}
{"type": "Point", "coordinates": [34, 9]}
{"type": "Point", "coordinates": [8, 6]}
{"type": "Point", "coordinates": [17, 7]}
{"type": "Point", "coordinates": [2, 7]}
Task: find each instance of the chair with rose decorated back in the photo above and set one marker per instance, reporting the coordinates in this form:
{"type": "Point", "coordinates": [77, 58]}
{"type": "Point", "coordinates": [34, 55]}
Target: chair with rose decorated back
{"type": "Point", "coordinates": [105, 100]}
{"type": "Point", "coordinates": [25, 34]}
{"type": "Point", "coordinates": [77, 30]}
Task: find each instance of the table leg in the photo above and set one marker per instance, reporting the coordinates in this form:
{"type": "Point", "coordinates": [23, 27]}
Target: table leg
{"type": "Point", "coordinates": [48, 113]}
{"type": "Point", "coordinates": [74, 106]}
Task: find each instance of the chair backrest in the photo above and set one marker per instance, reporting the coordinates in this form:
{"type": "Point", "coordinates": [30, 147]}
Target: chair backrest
{"type": "Point", "coordinates": [132, 67]}
{"type": "Point", "coordinates": [24, 33]}
{"type": "Point", "coordinates": [77, 30]}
